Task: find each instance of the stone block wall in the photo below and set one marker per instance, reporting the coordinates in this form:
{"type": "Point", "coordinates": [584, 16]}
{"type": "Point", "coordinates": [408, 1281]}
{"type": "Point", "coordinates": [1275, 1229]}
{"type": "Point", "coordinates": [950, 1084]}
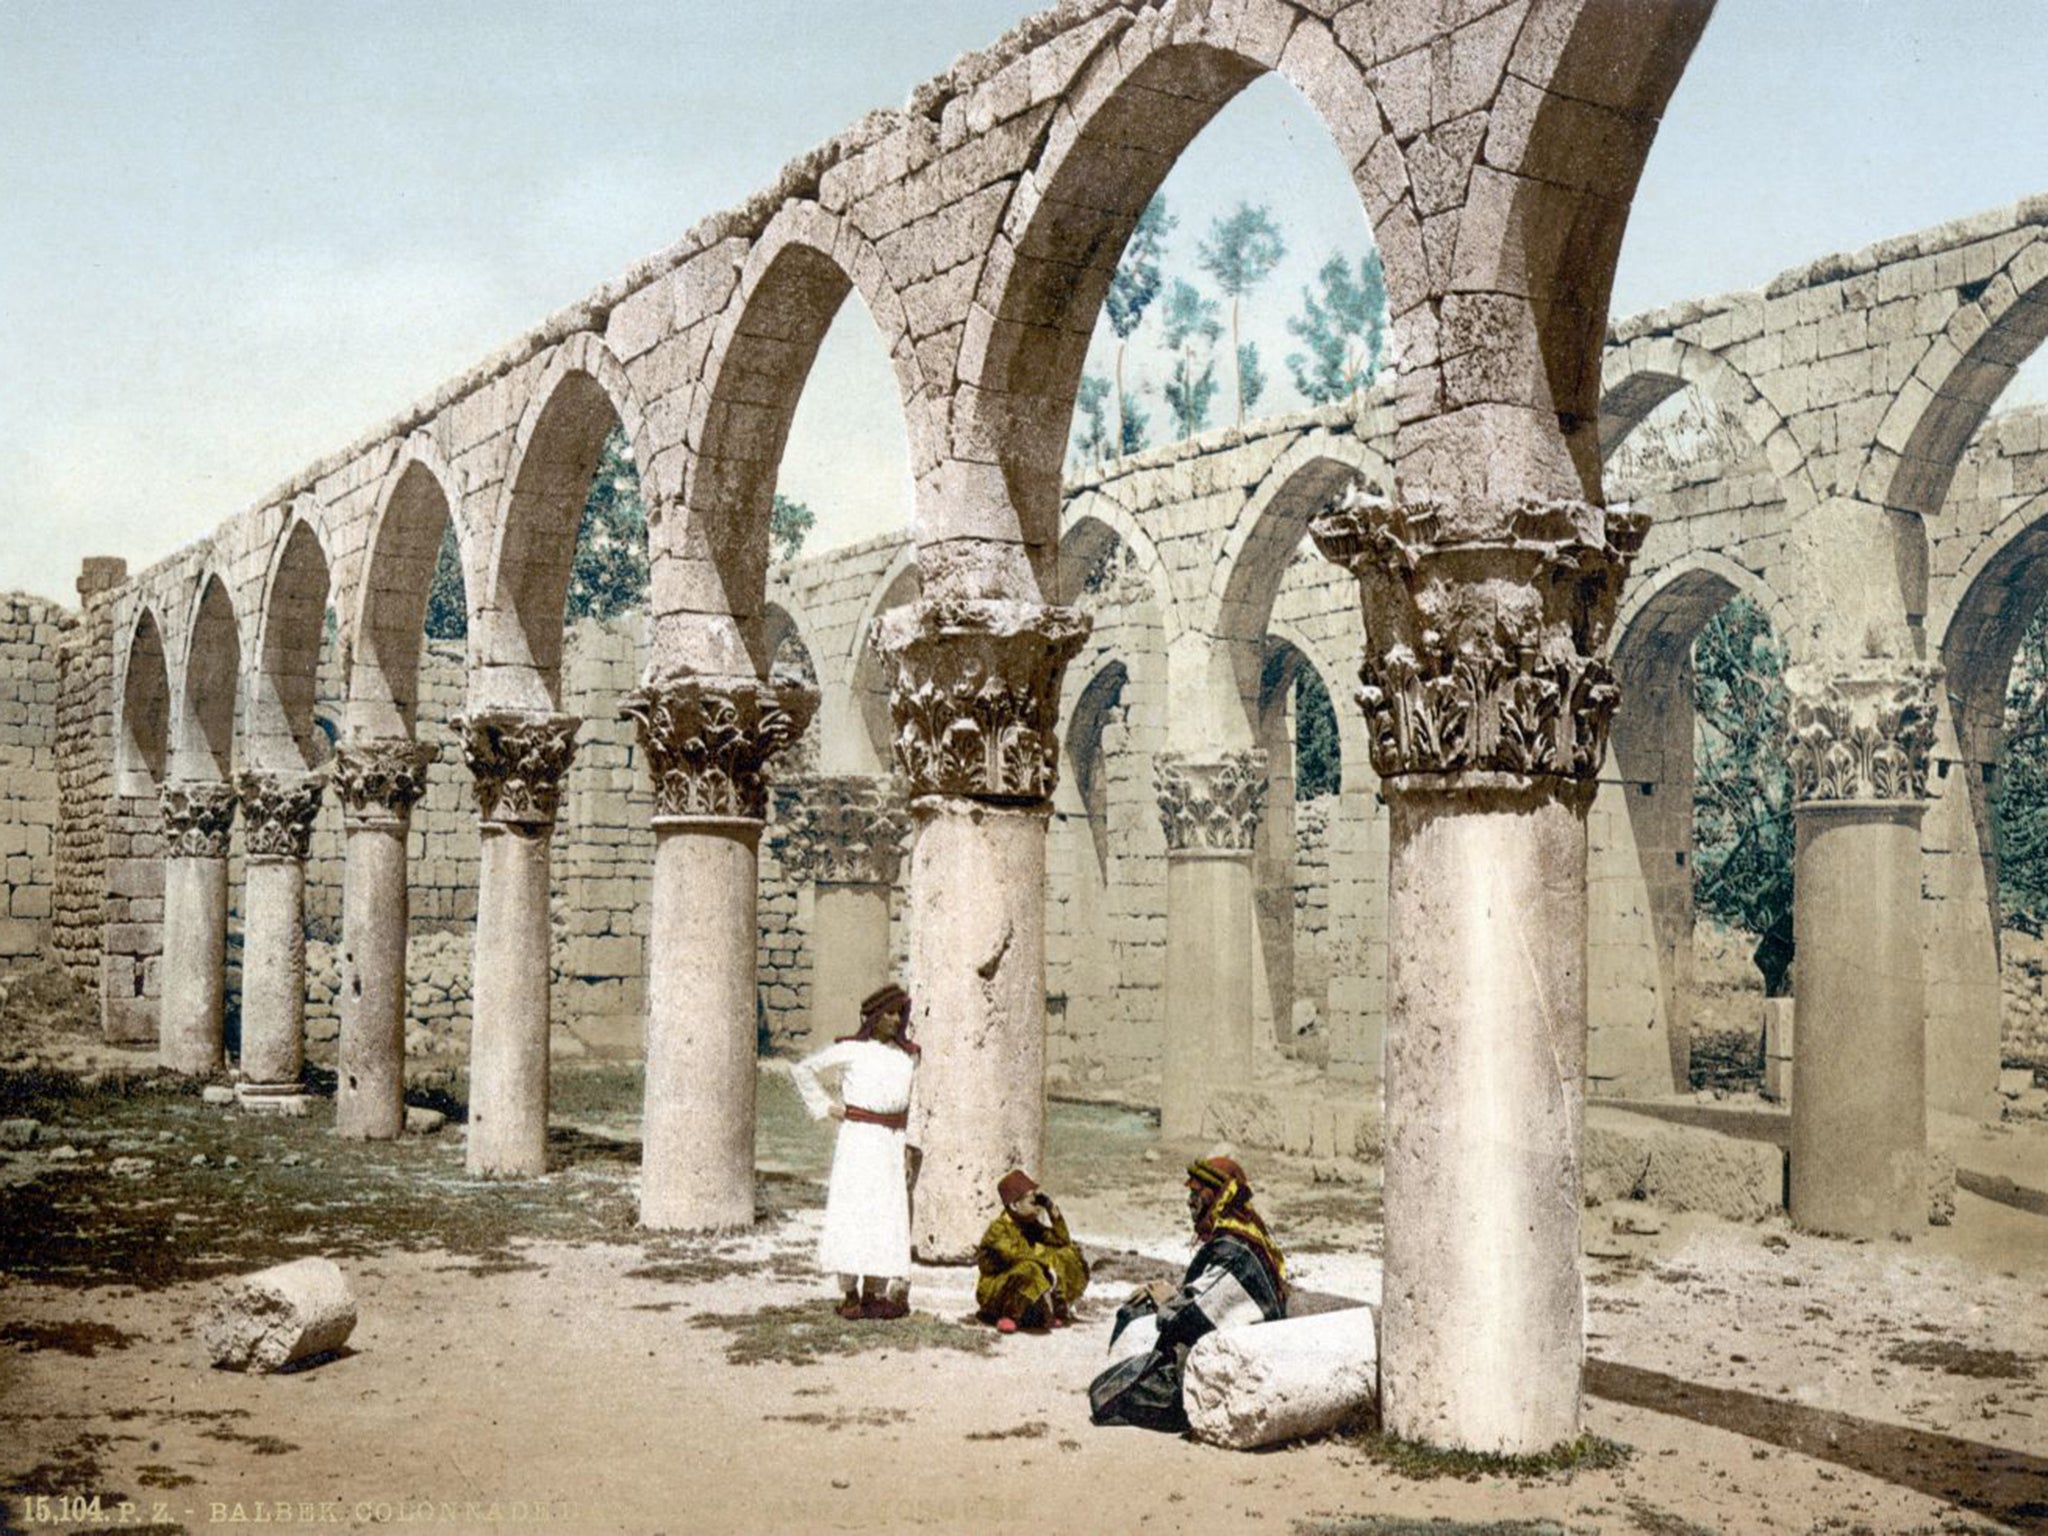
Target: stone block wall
{"type": "Point", "coordinates": [82, 725]}
{"type": "Point", "coordinates": [32, 635]}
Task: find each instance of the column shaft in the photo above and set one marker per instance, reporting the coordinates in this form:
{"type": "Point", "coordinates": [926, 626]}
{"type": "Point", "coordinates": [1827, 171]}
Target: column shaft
{"type": "Point", "coordinates": [194, 964]}
{"type": "Point", "coordinates": [509, 1004]}
{"type": "Point", "coordinates": [1209, 1018]}
{"type": "Point", "coordinates": [1859, 1110]}
{"type": "Point", "coordinates": [977, 985]}
{"type": "Point", "coordinates": [369, 1092]}
{"type": "Point", "coordinates": [273, 981]}
{"type": "Point", "coordinates": [849, 955]}
{"type": "Point", "coordinates": [697, 1158]}
{"type": "Point", "coordinates": [1485, 1057]}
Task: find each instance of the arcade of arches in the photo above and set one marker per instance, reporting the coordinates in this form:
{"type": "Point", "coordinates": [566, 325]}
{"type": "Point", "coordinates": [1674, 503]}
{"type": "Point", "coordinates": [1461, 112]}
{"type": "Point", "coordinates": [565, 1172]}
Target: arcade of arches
{"type": "Point", "coordinates": [1046, 748]}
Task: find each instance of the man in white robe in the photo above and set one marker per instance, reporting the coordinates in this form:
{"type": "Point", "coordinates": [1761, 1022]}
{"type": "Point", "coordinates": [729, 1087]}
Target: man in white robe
{"type": "Point", "coordinates": [866, 1240]}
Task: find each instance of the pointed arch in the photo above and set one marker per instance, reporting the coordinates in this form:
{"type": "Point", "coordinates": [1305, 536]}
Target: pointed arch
{"type": "Point", "coordinates": [794, 283]}
{"type": "Point", "coordinates": [143, 740]}
{"type": "Point", "coordinates": [870, 733]}
{"type": "Point", "coordinates": [290, 632]}
{"type": "Point", "coordinates": [415, 511]}
{"type": "Point", "coordinates": [580, 396]}
{"type": "Point", "coordinates": [208, 701]}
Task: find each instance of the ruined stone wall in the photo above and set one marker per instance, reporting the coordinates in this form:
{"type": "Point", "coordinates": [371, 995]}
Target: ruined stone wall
{"type": "Point", "coordinates": [33, 633]}
{"type": "Point", "coordinates": [83, 727]}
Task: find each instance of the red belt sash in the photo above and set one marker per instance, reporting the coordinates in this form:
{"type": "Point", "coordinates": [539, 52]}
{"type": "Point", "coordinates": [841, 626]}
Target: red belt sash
{"type": "Point", "coordinates": [898, 1120]}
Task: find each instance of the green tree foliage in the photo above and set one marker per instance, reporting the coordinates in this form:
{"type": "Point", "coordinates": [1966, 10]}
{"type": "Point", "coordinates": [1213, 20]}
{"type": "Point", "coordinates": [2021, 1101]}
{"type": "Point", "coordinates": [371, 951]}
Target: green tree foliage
{"type": "Point", "coordinates": [1344, 328]}
{"type": "Point", "coordinates": [1243, 248]}
{"type": "Point", "coordinates": [2020, 802]}
{"type": "Point", "coordinates": [1137, 425]}
{"type": "Point", "coordinates": [1317, 766]}
{"type": "Point", "coordinates": [1192, 331]}
{"type": "Point", "coordinates": [447, 612]}
{"type": "Point", "coordinates": [608, 575]}
{"type": "Point", "coordinates": [1132, 290]}
{"type": "Point", "coordinates": [1742, 788]}
{"type": "Point", "coordinates": [1251, 378]}
{"type": "Point", "coordinates": [1092, 439]}
{"type": "Point", "coordinates": [788, 526]}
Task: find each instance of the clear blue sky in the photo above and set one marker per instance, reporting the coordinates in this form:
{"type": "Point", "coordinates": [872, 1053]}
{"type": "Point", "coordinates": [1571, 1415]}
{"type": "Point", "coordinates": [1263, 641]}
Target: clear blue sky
{"type": "Point", "coordinates": [240, 234]}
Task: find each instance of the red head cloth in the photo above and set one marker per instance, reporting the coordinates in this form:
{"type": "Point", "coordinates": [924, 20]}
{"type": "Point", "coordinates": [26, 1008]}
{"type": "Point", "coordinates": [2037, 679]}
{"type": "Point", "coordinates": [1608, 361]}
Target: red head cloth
{"type": "Point", "coordinates": [1016, 1184]}
{"type": "Point", "coordinates": [885, 1000]}
{"type": "Point", "coordinates": [890, 996]}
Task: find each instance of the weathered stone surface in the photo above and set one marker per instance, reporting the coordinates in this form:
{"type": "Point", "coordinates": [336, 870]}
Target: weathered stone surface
{"type": "Point", "coordinates": [1258, 1385]}
{"type": "Point", "coordinates": [1210, 805]}
{"type": "Point", "coordinates": [709, 742]}
{"type": "Point", "coordinates": [278, 811]}
{"type": "Point", "coordinates": [841, 829]}
{"type": "Point", "coordinates": [381, 781]}
{"type": "Point", "coordinates": [197, 817]}
{"type": "Point", "coordinates": [518, 763]}
{"type": "Point", "coordinates": [1679, 1167]}
{"type": "Point", "coordinates": [278, 1317]}
{"type": "Point", "coordinates": [1861, 735]}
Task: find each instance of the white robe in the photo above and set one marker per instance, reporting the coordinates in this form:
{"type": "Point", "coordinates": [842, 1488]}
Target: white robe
{"type": "Point", "coordinates": [867, 1204]}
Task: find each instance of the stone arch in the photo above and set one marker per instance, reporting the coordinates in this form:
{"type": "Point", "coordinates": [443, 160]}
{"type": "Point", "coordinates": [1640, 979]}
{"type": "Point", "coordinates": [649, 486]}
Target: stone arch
{"type": "Point", "coordinates": [580, 396]}
{"type": "Point", "coordinates": [1132, 109]}
{"type": "Point", "coordinates": [203, 743]}
{"type": "Point", "coordinates": [1638, 378]}
{"type": "Point", "coordinates": [794, 282]}
{"type": "Point", "coordinates": [1097, 509]}
{"type": "Point", "coordinates": [1215, 695]}
{"type": "Point", "coordinates": [1996, 326]}
{"type": "Point", "coordinates": [1640, 951]}
{"type": "Point", "coordinates": [867, 734]}
{"type": "Point", "coordinates": [142, 743]}
{"type": "Point", "coordinates": [290, 632]}
{"type": "Point", "coordinates": [415, 509]}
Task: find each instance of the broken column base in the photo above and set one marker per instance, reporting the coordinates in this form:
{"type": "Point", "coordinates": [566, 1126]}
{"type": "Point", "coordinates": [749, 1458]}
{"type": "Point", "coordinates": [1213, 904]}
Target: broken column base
{"type": "Point", "coordinates": [1253, 1386]}
{"type": "Point", "coordinates": [268, 1320]}
{"type": "Point", "coordinates": [273, 1098]}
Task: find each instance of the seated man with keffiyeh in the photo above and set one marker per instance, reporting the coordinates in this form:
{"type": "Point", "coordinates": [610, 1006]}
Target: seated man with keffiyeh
{"type": "Point", "coordinates": [1237, 1276]}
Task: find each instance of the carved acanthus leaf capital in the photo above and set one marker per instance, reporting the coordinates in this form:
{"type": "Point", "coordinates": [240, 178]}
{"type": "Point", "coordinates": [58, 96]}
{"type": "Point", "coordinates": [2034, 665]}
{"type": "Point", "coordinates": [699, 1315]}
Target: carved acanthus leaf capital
{"type": "Point", "coordinates": [519, 762]}
{"type": "Point", "coordinates": [278, 811]}
{"type": "Point", "coordinates": [974, 689]}
{"type": "Point", "coordinates": [379, 782]}
{"type": "Point", "coordinates": [1210, 805]}
{"type": "Point", "coordinates": [709, 740]}
{"type": "Point", "coordinates": [1861, 735]}
{"type": "Point", "coordinates": [1486, 629]}
{"type": "Point", "coordinates": [841, 829]}
{"type": "Point", "coordinates": [197, 815]}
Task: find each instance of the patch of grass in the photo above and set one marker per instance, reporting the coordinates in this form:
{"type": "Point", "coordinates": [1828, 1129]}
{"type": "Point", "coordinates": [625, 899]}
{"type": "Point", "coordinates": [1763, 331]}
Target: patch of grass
{"type": "Point", "coordinates": [1423, 1463]}
{"type": "Point", "coordinates": [806, 1332]}
{"type": "Point", "coordinates": [82, 1339]}
{"type": "Point", "coordinates": [1955, 1359]}
{"type": "Point", "coordinates": [1394, 1525]}
{"type": "Point", "coordinates": [1652, 1521]}
{"type": "Point", "coordinates": [163, 1477]}
{"type": "Point", "coordinates": [1035, 1430]}
{"type": "Point", "coordinates": [259, 1445]}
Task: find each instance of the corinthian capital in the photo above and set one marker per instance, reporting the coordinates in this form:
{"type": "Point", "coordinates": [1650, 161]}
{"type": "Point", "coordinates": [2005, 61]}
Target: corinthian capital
{"type": "Point", "coordinates": [1861, 735]}
{"type": "Point", "coordinates": [278, 811]}
{"type": "Point", "coordinates": [709, 739]}
{"type": "Point", "coordinates": [197, 815]}
{"type": "Point", "coordinates": [518, 762]}
{"type": "Point", "coordinates": [379, 782]}
{"type": "Point", "coordinates": [1212, 805]}
{"type": "Point", "coordinates": [841, 829]}
{"type": "Point", "coordinates": [1486, 626]}
{"type": "Point", "coordinates": [974, 692]}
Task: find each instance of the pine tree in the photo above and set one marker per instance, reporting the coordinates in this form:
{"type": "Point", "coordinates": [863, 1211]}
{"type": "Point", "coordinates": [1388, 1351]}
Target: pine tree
{"type": "Point", "coordinates": [1091, 425]}
{"type": "Point", "coordinates": [608, 575]}
{"type": "Point", "coordinates": [789, 523]}
{"type": "Point", "coordinates": [1241, 252]}
{"type": "Point", "coordinates": [1132, 290]}
{"type": "Point", "coordinates": [2020, 802]}
{"type": "Point", "coordinates": [1192, 331]}
{"type": "Point", "coordinates": [1344, 330]}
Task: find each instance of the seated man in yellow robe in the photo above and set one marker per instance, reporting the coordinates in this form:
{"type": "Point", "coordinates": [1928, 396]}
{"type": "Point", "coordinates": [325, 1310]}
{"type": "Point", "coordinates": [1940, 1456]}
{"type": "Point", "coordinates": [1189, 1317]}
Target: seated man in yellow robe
{"type": "Point", "coordinates": [1031, 1272]}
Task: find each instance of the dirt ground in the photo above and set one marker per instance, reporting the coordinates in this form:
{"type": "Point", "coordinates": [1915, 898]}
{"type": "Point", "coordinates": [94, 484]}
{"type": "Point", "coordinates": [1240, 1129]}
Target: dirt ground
{"type": "Point", "coordinates": [525, 1356]}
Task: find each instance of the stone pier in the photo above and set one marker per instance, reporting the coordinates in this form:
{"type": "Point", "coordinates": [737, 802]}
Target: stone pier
{"type": "Point", "coordinates": [708, 741]}
{"type": "Point", "coordinates": [277, 821]}
{"type": "Point", "coordinates": [1210, 811]}
{"type": "Point", "coordinates": [197, 816]}
{"type": "Point", "coordinates": [518, 762]}
{"type": "Point", "coordinates": [378, 783]}
{"type": "Point", "coordinates": [844, 834]}
{"type": "Point", "coordinates": [1859, 749]}
{"type": "Point", "coordinates": [974, 698]}
{"type": "Point", "coordinates": [1487, 702]}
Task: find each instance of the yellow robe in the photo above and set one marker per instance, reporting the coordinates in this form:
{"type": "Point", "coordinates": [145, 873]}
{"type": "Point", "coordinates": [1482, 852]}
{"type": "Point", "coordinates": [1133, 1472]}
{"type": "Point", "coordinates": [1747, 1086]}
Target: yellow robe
{"type": "Point", "coordinates": [1018, 1267]}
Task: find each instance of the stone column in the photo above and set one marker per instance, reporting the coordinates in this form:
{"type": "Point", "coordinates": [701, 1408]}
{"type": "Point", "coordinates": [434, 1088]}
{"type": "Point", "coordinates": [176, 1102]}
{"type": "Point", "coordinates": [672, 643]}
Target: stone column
{"type": "Point", "coordinates": [1210, 810]}
{"type": "Point", "coordinates": [277, 821]}
{"type": "Point", "coordinates": [196, 817]}
{"type": "Point", "coordinates": [518, 762]}
{"type": "Point", "coordinates": [707, 742]}
{"type": "Point", "coordinates": [1859, 746]}
{"type": "Point", "coordinates": [974, 697]}
{"type": "Point", "coordinates": [844, 834]}
{"type": "Point", "coordinates": [1487, 702]}
{"type": "Point", "coordinates": [378, 783]}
